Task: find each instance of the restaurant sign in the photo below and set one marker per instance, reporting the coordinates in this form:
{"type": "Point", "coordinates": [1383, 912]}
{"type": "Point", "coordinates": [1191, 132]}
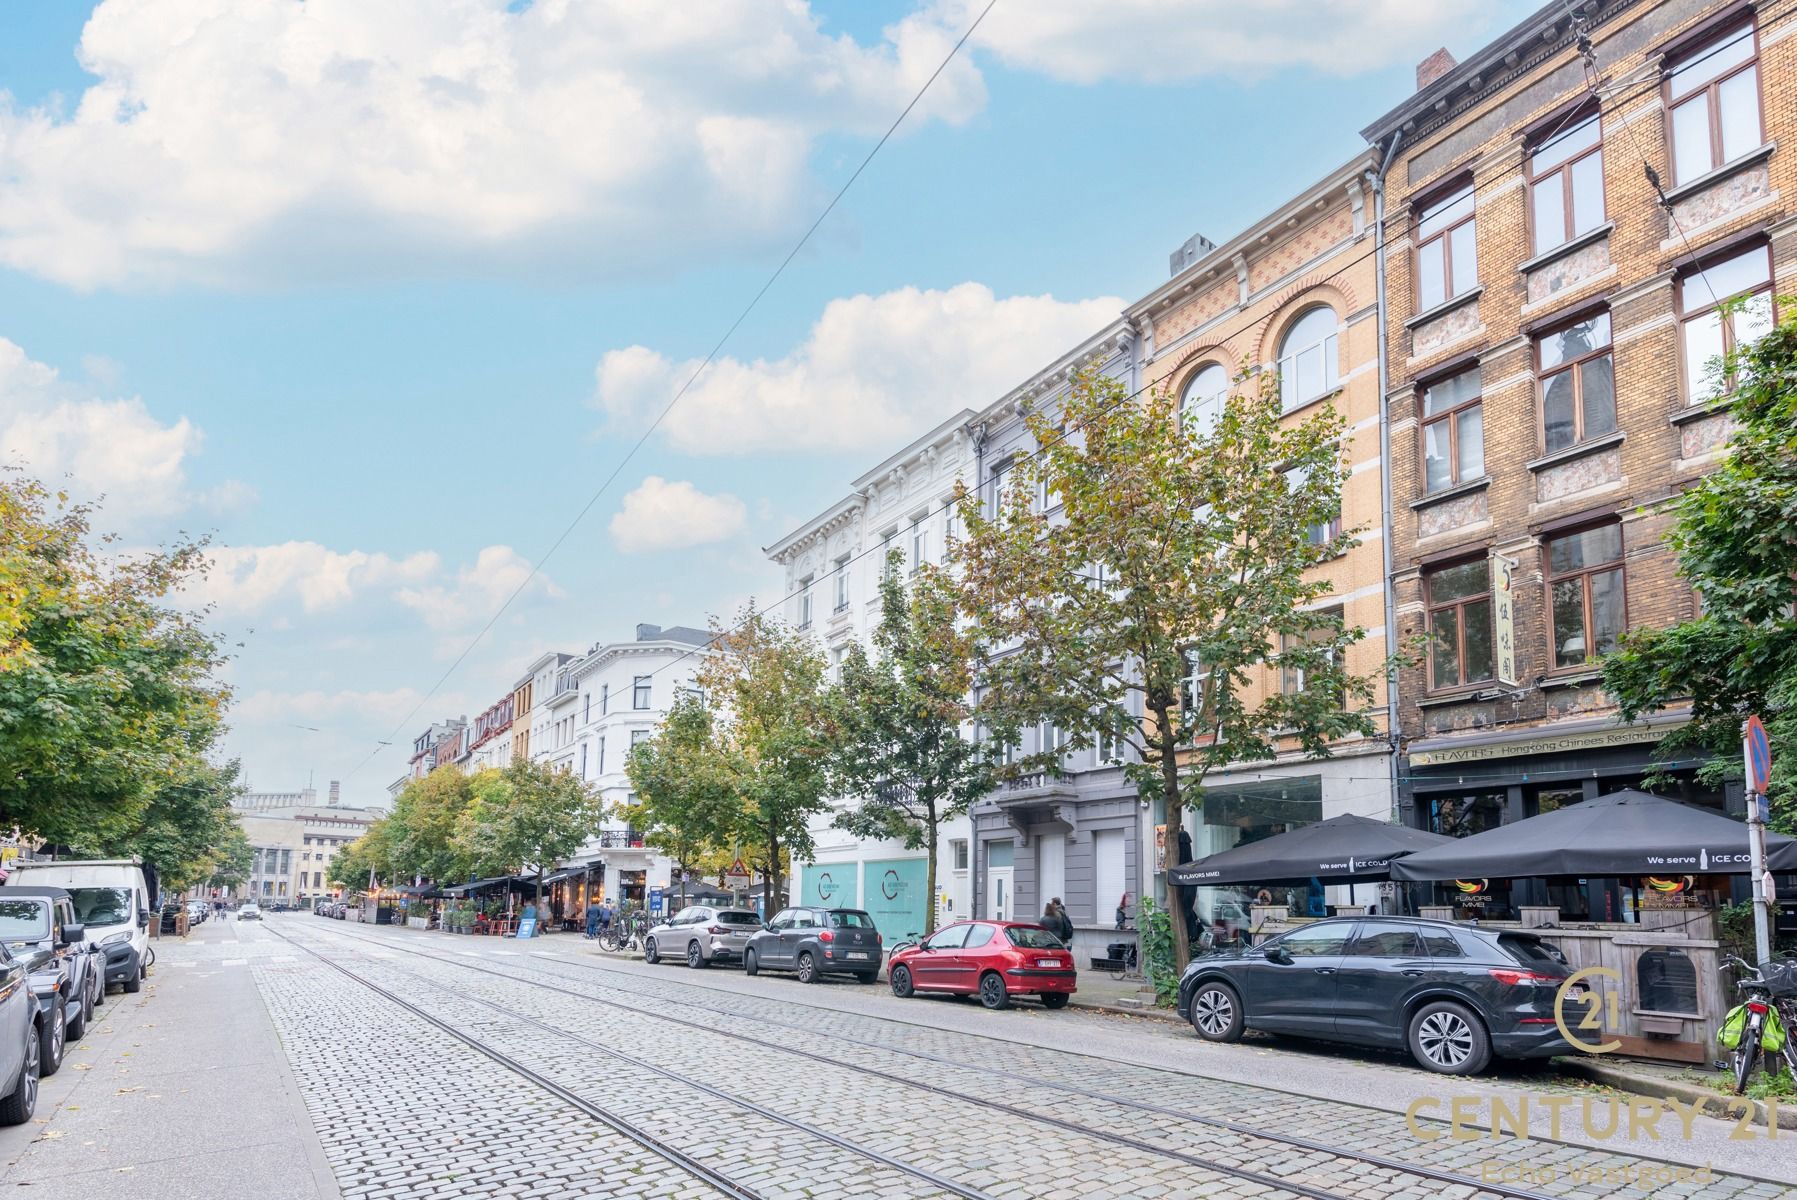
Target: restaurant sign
{"type": "Point", "coordinates": [1563, 743]}
{"type": "Point", "coordinates": [1503, 594]}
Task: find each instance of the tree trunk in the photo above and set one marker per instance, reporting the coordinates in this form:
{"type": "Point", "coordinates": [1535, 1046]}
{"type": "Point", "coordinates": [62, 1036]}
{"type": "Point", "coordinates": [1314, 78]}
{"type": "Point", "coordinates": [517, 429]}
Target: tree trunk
{"type": "Point", "coordinates": [929, 873]}
{"type": "Point", "coordinates": [1175, 819]}
{"type": "Point", "coordinates": [773, 871]}
{"type": "Point", "coordinates": [539, 894]}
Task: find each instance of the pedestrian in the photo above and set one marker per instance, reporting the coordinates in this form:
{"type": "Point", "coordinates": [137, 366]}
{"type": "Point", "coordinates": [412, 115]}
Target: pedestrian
{"type": "Point", "coordinates": [1057, 922]}
{"type": "Point", "coordinates": [593, 912]}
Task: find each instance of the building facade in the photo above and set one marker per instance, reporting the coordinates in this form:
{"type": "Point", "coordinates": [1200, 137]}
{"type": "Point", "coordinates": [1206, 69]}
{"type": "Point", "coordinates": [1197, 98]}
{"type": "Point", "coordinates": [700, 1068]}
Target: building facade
{"type": "Point", "coordinates": [293, 848]}
{"type": "Point", "coordinates": [1565, 210]}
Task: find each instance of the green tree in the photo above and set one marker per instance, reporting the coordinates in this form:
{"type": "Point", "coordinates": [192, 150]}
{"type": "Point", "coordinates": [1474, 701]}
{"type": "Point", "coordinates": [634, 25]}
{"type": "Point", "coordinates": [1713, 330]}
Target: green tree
{"type": "Point", "coordinates": [182, 832]}
{"type": "Point", "coordinates": [894, 722]}
{"type": "Point", "coordinates": [686, 784]}
{"type": "Point", "coordinates": [1735, 534]}
{"type": "Point", "coordinates": [528, 814]}
{"type": "Point", "coordinates": [231, 865]}
{"type": "Point", "coordinates": [1175, 575]}
{"type": "Point", "coordinates": [107, 694]}
{"type": "Point", "coordinates": [368, 857]}
{"type": "Point", "coordinates": [766, 680]}
{"type": "Point", "coordinates": [421, 833]}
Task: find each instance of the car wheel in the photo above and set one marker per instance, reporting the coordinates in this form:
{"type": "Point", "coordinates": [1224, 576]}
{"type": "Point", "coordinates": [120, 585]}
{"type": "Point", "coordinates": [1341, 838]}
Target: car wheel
{"type": "Point", "coordinates": [695, 957]}
{"type": "Point", "coordinates": [1055, 999]}
{"type": "Point", "coordinates": [18, 1107]}
{"type": "Point", "coordinates": [1217, 1013]}
{"type": "Point", "coordinates": [134, 982]}
{"type": "Point", "coordinates": [808, 968]}
{"type": "Point", "coordinates": [1447, 1038]}
{"type": "Point", "coordinates": [650, 954]}
{"type": "Point", "coordinates": [78, 1023]}
{"type": "Point", "coordinates": [751, 965]}
{"type": "Point", "coordinates": [50, 1039]}
{"type": "Point", "coordinates": [901, 983]}
{"type": "Point", "coordinates": [992, 991]}
{"type": "Point", "coordinates": [867, 976]}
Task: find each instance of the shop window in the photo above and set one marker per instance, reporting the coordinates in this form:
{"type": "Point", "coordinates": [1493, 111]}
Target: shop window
{"type": "Point", "coordinates": [1566, 184]}
{"type": "Point", "coordinates": [1578, 383]}
{"type": "Point", "coordinates": [1460, 624]}
{"type": "Point", "coordinates": [1447, 256]}
{"type": "Point", "coordinates": [1463, 816]}
{"type": "Point", "coordinates": [1585, 584]}
{"type": "Point", "coordinates": [1453, 431]}
{"type": "Point", "coordinates": [1723, 306]}
{"type": "Point", "coordinates": [1201, 404]}
{"type": "Point", "coordinates": [1308, 358]}
{"type": "Point", "coordinates": [1713, 95]}
{"type": "Point", "coordinates": [1666, 982]}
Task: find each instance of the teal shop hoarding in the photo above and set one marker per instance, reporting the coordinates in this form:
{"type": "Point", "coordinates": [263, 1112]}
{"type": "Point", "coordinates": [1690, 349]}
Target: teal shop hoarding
{"type": "Point", "coordinates": [830, 884]}
{"type": "Point", "coordinates": [896, 895]}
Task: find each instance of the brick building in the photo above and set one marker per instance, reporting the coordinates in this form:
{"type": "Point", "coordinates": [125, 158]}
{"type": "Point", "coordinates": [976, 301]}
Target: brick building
{"type": "Point", "coordinates": [1551, 315]}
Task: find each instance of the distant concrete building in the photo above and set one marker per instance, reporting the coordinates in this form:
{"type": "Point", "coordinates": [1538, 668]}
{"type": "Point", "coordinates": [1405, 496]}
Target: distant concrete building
{"type": "Point", "coordinates": [293, 848]}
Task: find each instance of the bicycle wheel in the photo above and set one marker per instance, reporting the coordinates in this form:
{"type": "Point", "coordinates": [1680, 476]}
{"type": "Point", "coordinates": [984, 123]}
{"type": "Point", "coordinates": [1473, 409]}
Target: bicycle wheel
{"type": "Point", "coordinates": [1745, 1056]}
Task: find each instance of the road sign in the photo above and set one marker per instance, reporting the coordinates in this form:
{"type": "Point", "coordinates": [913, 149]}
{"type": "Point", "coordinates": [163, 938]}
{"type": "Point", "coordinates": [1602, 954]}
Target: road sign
{"type": "Point", "coordinates": [1759, 756]}
{"type": "Point", "coordinates": [737, 876]}
{"type": "Point", "coordinates": [655, 899]}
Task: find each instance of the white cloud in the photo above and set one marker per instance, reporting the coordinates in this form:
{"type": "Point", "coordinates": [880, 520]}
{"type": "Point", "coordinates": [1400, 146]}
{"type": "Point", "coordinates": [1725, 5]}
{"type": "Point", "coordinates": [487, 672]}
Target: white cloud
{"type": "Point", "coordinates": [874, 371]}
{"type": "Point", "coordinates": [244, 580]}
{"type": "Point", "coordinates": [659, 515]}
{"type": "Point", "coordinates": [371, 707]}
{"type": "Point", "coordinates": [233, 140]}
{"type": "Point", "coordinates": [96, 447]}
{"type": "Point", "coordinates": [1172, 41]}
{"type": "Point", "coordinates": [476, 592]}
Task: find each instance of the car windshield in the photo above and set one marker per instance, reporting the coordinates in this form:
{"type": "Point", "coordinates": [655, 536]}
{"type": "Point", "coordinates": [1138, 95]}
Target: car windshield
{"type": "Point", "coordinates": [1531, 951]}
{"type": "Point", "coordinates": [24, 919]}
{"type": "Point", "coordinates": [102, 905]}
{"type": "Point", "coordinates": [851, 920]}
{"type": "Point", "coordinates": [1030, 938]}
{"type": "Point", "coordinates": [738, 918]}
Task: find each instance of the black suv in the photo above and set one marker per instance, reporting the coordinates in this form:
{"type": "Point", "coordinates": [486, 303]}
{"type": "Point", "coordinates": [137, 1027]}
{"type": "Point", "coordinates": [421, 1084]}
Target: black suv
{"type": "Point", "coordinates": [38, 925]}
{"type": "Point", "coordinates": [814, 942]}
{"type": "Point", "coordinates": [1452, 994]}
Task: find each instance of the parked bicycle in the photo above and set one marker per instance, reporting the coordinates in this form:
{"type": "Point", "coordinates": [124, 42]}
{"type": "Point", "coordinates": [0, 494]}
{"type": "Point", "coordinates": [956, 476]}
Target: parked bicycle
{"type": "Point", "coordinates": [1759, 1028]}
{"type": "Point", "coordinates": [626, 933]}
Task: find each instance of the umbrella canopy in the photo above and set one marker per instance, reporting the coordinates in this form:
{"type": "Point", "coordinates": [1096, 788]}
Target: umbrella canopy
{"type": "Point", "coordinates": [1342, 848]}
{"type": "Point", "coordinates": [1624, 833]}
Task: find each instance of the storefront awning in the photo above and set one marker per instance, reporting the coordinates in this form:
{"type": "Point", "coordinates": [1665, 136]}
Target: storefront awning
{"type": "Point", "coordinates": [496, 883]}
{"type": "Point", "coordinates": [1341, 849]}
{"type": "Point", "coordinates": [1625, 833]}
{"type": "Point", "coordinates": [564, 875]}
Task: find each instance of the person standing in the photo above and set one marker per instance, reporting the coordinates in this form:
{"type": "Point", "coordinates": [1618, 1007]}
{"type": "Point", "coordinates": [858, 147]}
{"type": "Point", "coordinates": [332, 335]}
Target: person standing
{"type": "Point", "coordinates": [594, 909]}
{"type": "Point", "coordinates": [1057, 922]}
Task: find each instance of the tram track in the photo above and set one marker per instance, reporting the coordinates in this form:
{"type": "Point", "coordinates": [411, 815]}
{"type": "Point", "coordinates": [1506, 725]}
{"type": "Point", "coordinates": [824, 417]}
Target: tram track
{"type": "Point", "coordinates": [1396, 1166]}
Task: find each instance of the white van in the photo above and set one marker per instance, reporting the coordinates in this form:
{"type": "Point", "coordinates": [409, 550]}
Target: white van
{"type": "Point", "coordinates": [112, 902]}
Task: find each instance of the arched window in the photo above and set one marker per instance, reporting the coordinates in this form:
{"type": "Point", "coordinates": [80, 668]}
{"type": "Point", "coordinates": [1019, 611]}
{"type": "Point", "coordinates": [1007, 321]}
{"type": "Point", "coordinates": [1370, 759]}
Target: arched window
{"type": "Point", "coordinates": [1201, 404]}
{"type": "Point", "coordinates": [1307, 358]}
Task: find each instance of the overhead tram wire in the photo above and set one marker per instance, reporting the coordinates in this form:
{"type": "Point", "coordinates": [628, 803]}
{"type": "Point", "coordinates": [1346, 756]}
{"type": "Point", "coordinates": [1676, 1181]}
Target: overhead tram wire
{"type": "Point", "coordinates": [1062, 434]}
{"type": "Point", "coordinates": [537, 567]}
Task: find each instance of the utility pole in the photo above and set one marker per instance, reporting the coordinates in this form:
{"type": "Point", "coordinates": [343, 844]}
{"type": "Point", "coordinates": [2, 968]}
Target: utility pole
{"type": "Point", "coordinates": [1756, 751]}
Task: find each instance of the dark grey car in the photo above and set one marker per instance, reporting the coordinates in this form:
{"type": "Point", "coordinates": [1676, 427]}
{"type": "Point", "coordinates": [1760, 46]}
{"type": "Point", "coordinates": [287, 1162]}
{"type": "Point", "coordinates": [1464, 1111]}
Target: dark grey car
{"type": "Point", "coordinates": [814, 942]}
{"type": "Point", "coordinates": [38, 925]}
{"type": "Point", "coordinates": [1451, 994]}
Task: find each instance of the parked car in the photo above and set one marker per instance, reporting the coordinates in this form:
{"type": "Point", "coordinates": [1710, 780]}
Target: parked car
{"type": "Point", "coordinates": [250, 912]}
{"type": "Point", "coordinates": [995, 960]}
{"type": "Point", "coordinates": [702, 935]}
{"type": "Point", "coordinates": [21, 1042]}
{"type": "Point", "coordinates": [1452, 994]}
{"type": "Point", "coordinates": [38, 926]}
{"type": "Point", "coordinates": [814, 942]}
{"type": "Point", "coordinates": [197, 912]}
{"type": "Point", "coordinates": [112, 904]}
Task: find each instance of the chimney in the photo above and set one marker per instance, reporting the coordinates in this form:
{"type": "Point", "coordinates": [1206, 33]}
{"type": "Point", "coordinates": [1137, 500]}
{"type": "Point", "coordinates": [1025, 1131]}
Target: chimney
{"type": "Point", "coordinates": [647, 633]}
{"type": "Point", "coordinates": [1434, 67]}
{"type": "Point", "coordinates": [1195, 248]}
{"type": "Point", "coordinates": [336, 792]}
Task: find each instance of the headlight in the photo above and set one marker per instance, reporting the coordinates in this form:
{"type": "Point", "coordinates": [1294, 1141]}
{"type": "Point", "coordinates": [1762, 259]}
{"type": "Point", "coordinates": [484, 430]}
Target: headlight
{"type": "Point", "coordinates": [116, 939]}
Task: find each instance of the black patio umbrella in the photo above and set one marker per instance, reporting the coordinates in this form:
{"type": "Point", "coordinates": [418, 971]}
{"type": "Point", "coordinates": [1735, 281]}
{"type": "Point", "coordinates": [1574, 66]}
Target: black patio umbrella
{"type": "Point", "coordinates": [1340, 850]}
{"type": "Point", "coordinates": [1625, 833]}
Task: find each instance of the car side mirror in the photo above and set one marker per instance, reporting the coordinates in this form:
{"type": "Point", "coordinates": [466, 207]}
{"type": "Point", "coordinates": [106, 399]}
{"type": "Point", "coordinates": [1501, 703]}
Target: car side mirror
{"type": "Point", "coordinates": [72, 933]}
{"type": "Point", "coordinates": [1281, 955]}
{"type": "Point", "coordinates": [143, 920]}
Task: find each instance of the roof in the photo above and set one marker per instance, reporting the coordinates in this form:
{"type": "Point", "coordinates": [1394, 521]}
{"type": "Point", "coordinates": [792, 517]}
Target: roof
{"type": "Point", "coordinates": [34, 893]}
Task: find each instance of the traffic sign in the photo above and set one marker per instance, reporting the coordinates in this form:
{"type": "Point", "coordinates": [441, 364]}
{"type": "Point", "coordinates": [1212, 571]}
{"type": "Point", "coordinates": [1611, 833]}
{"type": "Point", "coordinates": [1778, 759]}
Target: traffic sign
{"type": "Point", "coordinates": [737, 875]}
{"type": "Point", "coordinates": [1759, 757]}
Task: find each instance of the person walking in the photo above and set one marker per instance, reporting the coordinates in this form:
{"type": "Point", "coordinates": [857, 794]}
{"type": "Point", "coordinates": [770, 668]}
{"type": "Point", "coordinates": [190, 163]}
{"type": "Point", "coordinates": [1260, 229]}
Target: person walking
{"type": "Point", "coordinates": [594, 909]}
{"type": "Point", "coordinates": [1057, 922]}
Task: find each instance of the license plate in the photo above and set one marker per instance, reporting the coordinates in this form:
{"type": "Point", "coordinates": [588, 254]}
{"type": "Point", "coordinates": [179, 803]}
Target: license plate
{"type": "Point", "coordinates": [1047, 962]}
{"type": "Point", "coordinates": [857, 954]}
{"type": "Point", "coordinates": [1576, 991]}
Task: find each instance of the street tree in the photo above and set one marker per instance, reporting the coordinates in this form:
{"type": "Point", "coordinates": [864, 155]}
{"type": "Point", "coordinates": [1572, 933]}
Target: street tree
{"type": "Point", "coordinates": [183, 832]}
{"type": "Point", "coordinates": [1172, 576]}
{"type": "Point", "coordinates": [1735, 534]}
{"type": "Point", "coordinates": [529, 814]}
{"type": "Point", "coordinates": [766, 680]}
{"type": "Point", "coordinates": [365, 862]}
{"type": "Point", "coordinates": [686, 782]}
{"type": "Point", "coordinates": [894, 722]}
{"type": "Point", "coordinates": [421, 831]}
{"type": "Point", "coordinates": [232, 863]}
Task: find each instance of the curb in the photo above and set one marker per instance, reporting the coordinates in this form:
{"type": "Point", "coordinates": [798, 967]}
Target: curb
{"type": "Point", "coordinates": [1153, 1013]}
{"type": "Point", "coordinates": [1708, 1102]}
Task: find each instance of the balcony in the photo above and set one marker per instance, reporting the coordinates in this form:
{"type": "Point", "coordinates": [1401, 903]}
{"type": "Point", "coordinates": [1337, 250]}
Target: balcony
{"type": "Point", "coordinates": [621, 839]}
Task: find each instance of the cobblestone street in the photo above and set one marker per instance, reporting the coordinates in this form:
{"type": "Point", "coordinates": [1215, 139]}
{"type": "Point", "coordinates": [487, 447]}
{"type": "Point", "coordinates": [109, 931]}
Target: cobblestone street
{"type": "Point", "coordinates": [435, 1066]}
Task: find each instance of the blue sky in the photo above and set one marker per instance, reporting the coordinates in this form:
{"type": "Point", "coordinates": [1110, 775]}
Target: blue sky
{"type": "Point", "coordinates": [377, 296]}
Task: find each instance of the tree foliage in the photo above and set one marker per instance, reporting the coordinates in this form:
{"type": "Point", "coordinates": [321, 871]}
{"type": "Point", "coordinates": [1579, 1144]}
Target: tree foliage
{"type": "Point", "coordinates": [186, 830]}
{"type": "Point", "coordinates": [1173, 546]}
{"type": "Point", "coordinates": [528, 815]}
{"type": "Point", "coordinates": [894, 722]}
{"type": "Point", "coordinates": [419, 836]}
{"type": "Point", "coordinates": [686, 785]}
{"type": "Point", "coordinates": [1735, 534]}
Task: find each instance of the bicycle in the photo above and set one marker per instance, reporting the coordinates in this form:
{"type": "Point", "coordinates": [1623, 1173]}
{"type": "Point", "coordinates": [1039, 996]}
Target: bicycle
{"type": "Point", "coordinates": [627, 933]}
{"type": "Point", "coordinates": [1770, 1008]}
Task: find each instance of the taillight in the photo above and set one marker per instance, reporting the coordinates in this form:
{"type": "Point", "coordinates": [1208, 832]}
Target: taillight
{"type": "Point", "coordinates": [879, 939]}
{"type": "Point", "coordinates": [826, 936]}
{"type": "Point", "coordinates": [1520, 978]}
{"type": "Point", "coordinates": [1757, 1007]}
{"type": "Point", "coordinates": [717, 929]}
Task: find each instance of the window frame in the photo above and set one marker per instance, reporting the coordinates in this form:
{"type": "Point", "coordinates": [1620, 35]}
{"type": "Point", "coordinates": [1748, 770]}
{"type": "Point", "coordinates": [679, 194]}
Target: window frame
{"type": "Point", "coordinates": [1709, 91]}
{"type": "Point", "coordinates": [642, 694]}
{"type": "Point", "coordinates": [1574, 366]}
{"type": "Point", "coordinates": [1563, 167]}
{"type": "Point", "coordinates": [1291, 679]}
{"type": "Point", "coordinates": [1441, 197]}
{"type": "Point", "coordinates": [1431, 606]}
{"type": "Point", "coordinates": [1329, 346]}
{"type": "Point", "coordinates": [1685, 315]}
{"type": "Point", "coordinates": [1452, 416]}
{"type": "Point", "coordinates": [1583, 575]}
{"type": "Point", "coordinates": [841, 574]}
{"type": "Point", "coordinates": [1187, 403]}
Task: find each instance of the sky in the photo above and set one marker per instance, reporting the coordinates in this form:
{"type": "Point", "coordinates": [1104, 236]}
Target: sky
{"type": "Point", "coordinates": [377, 297]}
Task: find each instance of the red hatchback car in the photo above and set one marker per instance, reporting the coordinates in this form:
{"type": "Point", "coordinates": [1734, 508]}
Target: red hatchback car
{"type": "Point", "coordinates": [993, 960]}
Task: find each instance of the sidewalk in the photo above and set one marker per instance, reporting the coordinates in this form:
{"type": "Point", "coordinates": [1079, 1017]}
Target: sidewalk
{"type": "Point", "coordinates": [179, 1091]}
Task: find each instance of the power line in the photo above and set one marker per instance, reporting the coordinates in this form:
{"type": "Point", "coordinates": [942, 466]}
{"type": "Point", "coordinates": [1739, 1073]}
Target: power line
{"type": "Point", "coordinates": [537, 567]}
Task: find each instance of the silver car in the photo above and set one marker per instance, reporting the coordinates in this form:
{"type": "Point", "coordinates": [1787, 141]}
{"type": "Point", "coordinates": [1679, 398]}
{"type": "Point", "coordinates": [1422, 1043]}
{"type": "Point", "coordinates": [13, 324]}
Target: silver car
{"type": "Point", "coordinates": [702, 935]}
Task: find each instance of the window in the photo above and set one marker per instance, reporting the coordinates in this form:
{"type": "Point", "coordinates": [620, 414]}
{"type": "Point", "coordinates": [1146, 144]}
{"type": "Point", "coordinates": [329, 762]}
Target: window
{"type": "Point", "coordinates": [1000, 853]}
{"type": "Point", "coordinates": [920, 545]}
{"type": "Point", "coordinates": [1386, 939]}
{"type": "Point", "coordinates": [604, 698]}
{"type": "Point", "coordinates": [1323, 532]}
{"type": "Point", "coordinates": [1709, 332]}
{"type": "Point", "coordinates": [583, 760]}
{"type": "Point", "coordinates": [951, 938]}
{"type": "Point", "coordinates": [1316, 940]}
{"type": "Point", "coordinates": [1584, 572]}
{"type": "Point", "coordinates": [1201, 404]}
{"type": "Point", "coordinates": [1578, 383]}
{"type": "Point", "coordinates": [842, 584]}
{"type": "Point", "coordinates": [1307, 358]}
{"type": "Point", "coordinates": [1566, 183]}
{"type": "Point", "coordinates": [1050, 737]}
{"type": "Point", "coordinates": [1453, 431]}
{"type": "Point", "coordinates": [1292, 678]}
{"type": "Point", "coordinates": [1440, 943]}
{"type": "Point", "coordinates": [639, 736]}
{"type": "Point", "coordinates": [1447, 259]}
{"type": "Point", "coordinates": [1107, 747]}
{"type": "Point", "coordinates": [958, 853]}
{"type": "Point", "coordinates": [639, 693]}
{"type": "Point", "coordinates": [1196, 700]}
{"type": "Point", "coordinates": [1460, 624]}
{"type": "Point", "coordinates": [805, 603]}
{"type": "Point", "coordinates": [586, 708]}
{"type": "Point", "coordinates": [599, 756]}
{"type": "Point", "coordinates": [837, 657]}
{"type": "Point", "coordinates": [978, 935]}
{"type": "Point", "coordinates": [1714, 98]}
{"type": "Point", "coordinates": [1001, 475]}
